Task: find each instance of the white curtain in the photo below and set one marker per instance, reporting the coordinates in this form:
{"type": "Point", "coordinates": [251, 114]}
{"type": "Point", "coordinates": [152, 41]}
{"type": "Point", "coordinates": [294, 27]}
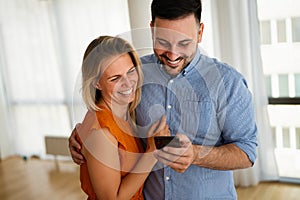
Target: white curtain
{"type": "Point", "coordinates": [6, 133]}
{"type": "Point", "coordinates": [236, 32]}
{"type": "Point", "coordinates": [41, 48]}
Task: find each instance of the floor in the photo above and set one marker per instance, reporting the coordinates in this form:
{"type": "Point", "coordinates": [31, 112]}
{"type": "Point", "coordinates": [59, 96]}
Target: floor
{"type": "Point", "coordinates": [270, 191]}
{"type": "Point", "coordinates": [37, 179]}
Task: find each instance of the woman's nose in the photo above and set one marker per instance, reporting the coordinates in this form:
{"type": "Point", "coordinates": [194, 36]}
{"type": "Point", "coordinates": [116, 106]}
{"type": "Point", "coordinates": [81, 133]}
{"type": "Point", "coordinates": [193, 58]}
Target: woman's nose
{"type": "Point", "coordinates": [125, 81]}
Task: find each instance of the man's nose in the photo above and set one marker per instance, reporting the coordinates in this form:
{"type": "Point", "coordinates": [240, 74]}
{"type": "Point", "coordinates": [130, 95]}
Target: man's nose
{"type": "Point", "coordinates": [172, 55]}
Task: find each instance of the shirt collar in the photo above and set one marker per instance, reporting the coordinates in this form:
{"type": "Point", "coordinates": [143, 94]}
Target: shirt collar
{"type": "Point", "coordinates": [192, 64]}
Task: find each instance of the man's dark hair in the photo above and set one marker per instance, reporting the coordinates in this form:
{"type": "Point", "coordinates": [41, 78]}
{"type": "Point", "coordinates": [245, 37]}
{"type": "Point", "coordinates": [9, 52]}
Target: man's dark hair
{"type": "Point", "coordinates": [175, 9]}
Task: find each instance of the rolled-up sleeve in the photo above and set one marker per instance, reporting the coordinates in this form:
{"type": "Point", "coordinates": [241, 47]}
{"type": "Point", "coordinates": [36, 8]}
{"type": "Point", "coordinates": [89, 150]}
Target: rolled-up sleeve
{"type": "Point", "coordinates": [239, 123]}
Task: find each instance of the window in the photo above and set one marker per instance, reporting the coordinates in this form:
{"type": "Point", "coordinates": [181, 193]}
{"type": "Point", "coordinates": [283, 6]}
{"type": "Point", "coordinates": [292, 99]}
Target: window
{"type": "Point", "coordinates": [297, 85]}
{"type": "Point", "coordinates": [283, 85]}
{"type": "Point", "coordinates": [296, 29]}
{"type": "Point", "coordinates": [268, 85]}
{"type": "Point", "coordinates": [298, 138]}
{"type": "Point", "coordinates": [273, 129]}
{"type": "Point", "coordinates": [265, 29]}
{"type": "Point", "coordinates": [286, 137]}
{"type": "Point", "coordinates": [281, 31]}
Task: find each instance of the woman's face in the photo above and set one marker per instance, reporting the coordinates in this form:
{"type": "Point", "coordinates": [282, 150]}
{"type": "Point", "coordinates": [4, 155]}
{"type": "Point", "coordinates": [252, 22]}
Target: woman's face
{"type": "Point", "coordinates": [119, 81]}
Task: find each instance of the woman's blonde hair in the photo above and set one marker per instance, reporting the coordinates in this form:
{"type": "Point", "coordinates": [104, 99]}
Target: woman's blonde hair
{"type": "Point", "coordinates": [96, 57]}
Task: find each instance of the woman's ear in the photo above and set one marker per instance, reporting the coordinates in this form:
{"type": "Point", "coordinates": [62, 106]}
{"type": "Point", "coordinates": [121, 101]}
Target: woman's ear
{"type": "Point", "coordinates": [97, 86]}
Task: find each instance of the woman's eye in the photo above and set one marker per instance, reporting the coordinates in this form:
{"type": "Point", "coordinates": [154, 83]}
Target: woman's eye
{"type": "Point", "coordinates": [113, 79]}
{"type": "Point", "coordinates": [132, 70]}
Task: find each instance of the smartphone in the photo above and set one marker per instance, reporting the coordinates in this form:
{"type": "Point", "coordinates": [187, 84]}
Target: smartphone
{"type": "Point", "coordinates": [162, 141]}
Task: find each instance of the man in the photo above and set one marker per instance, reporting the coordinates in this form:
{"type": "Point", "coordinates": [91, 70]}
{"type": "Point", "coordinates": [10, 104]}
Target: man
{"type": "Point", "coordinates": [207, 105]}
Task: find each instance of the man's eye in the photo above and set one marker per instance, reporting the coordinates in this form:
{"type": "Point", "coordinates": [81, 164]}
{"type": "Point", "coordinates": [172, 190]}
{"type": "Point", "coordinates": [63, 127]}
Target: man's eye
{"type": "Point", "coordinates": [163, 43]}
{"type": "Point", "coordinates": [184, 44]}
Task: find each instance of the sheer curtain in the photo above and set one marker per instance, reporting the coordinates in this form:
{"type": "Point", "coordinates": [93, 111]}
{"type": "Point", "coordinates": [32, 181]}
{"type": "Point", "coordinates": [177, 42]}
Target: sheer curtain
{"type": "Point", "coordinates": [6, 133]}
{"type": "Point", "coordinates": [236, 33]}
{"type": "Point", "coordinates": [42, 43]}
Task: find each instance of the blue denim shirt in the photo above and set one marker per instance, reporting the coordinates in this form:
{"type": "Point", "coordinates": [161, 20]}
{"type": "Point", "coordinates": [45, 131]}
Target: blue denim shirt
{"type": "Point", "coordinates": [210, 103]}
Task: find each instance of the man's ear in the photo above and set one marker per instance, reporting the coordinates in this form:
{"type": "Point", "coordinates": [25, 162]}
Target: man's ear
{"type": "Point", "coordinates": [200, 32]}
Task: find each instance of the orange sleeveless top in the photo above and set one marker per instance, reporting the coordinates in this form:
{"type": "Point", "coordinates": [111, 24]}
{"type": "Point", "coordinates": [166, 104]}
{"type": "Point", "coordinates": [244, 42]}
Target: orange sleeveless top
{"type": "Point", "coordinates": [126, 143]}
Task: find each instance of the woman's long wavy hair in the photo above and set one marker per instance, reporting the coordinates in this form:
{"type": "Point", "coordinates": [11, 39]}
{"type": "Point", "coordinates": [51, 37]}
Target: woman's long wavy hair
{"type": "Point", "coordinates": [97, 57]}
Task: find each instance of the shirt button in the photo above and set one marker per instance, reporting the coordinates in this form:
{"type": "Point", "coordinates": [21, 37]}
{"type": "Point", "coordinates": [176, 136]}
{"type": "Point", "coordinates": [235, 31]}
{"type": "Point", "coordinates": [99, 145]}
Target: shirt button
{"type": "Point", "coordinates": [171, 81]}
{"type": "Point", "coordinates": [167, 178]}
{"type": "Point", "coordinates": [169, 106]}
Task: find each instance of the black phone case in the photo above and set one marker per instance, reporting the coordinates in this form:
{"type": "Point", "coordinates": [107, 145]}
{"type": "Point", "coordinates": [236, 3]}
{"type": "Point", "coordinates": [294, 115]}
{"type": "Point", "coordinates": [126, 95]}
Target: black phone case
{"type": "Point", "coordinates": [162, 141]}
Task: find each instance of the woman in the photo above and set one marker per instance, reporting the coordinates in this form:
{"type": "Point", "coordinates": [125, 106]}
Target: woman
{"type": "Point", "coordinates": [116, 165]}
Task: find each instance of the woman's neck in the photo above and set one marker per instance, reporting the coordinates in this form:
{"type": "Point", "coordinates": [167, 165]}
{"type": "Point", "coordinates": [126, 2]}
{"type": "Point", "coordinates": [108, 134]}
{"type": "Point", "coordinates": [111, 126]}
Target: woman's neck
{"type": "Point", "coordinates": [120, 111]}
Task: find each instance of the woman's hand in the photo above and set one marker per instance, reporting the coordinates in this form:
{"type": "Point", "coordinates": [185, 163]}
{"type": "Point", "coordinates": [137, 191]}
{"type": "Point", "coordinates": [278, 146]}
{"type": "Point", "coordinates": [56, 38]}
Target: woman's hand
{"type": "Point", "coordinates": [159, 128]}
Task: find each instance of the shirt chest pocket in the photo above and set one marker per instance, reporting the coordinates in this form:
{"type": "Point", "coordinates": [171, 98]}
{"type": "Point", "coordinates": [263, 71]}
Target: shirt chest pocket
{"type": "Point", "coordinates": [196, 118]}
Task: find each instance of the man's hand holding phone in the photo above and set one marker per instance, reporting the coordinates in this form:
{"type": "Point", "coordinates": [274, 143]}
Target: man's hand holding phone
{"type": "Point", "coordinates": [177, 152]}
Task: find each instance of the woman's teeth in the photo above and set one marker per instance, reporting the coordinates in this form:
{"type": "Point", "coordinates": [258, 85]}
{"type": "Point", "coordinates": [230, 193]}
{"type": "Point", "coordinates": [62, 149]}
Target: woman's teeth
{"type": "Point", "coordinates": [127, 92]}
